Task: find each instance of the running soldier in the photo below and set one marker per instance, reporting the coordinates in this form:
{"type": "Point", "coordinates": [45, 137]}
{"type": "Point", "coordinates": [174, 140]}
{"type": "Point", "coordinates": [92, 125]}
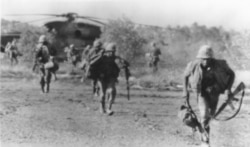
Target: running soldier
{"type": "Point", "coordinates": [45, 60]}
{"type": "Point", "coordinates": [12, 51]}
{"type": "Point", "coordinates": [208, 78]}
{"type": "Point", "coordinates": [155, 53]}
{"type": "Point", "coordinates": [84, 61]}
{"type": "Point", "coordinates": [92, 63]}
{"type": "Point", "coordinates": [73, 54]}
{"type": "Point", "coordinates": [109, 69]}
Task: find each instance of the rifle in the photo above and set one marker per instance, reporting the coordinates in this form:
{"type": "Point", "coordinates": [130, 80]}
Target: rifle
{"type": "Point", "coordinates": [127, 75]}
{"type": "Point", "coordinates": [230, 99]}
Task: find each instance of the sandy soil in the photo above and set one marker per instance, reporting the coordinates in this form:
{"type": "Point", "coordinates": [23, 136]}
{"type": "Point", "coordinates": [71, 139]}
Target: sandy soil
{"type": "Point", "coordinates": [69, 116]}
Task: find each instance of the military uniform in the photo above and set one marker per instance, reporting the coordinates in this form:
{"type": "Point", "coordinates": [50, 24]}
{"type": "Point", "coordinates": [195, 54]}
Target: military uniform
{"type": "Point", "coordinates": [154, 57]}
{"type": "Point", "coordinates": [208, 78]}
{"type": "Point", "coordinates": [93, 60]}
{"type": "Point", "coordinates": [12, 51]}
{"type": "Point", "coordinates": [46, 63]}
{"type": "Point", "coordinates": [73, 54]}
{"type": "Point", "coordinates": [108, 71]}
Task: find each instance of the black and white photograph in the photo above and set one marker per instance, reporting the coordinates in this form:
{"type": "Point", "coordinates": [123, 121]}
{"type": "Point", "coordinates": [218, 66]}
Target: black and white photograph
{"type": "Point", "coordinates": [125, 73]}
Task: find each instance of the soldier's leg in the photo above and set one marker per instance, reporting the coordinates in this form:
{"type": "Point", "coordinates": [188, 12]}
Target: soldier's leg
{"type": "Point", "coordinates": [42, 79]}
{"type": "Point", "coordinates": [16, 60]}
{"type": "Point", "coordinates": [56, 68]}
{"type": "Point", "coordinates": [35, 66]}
{"type": "Point", "coordinates": [203, 104]}
{"type": "Point", "coordinates": [156, 60]}
{"type": "Point", "coordinates": [47, 80]}
{"type": "Point", "coordinates": [94, 85]}
{"type": "Point", "coordinates": [214, 98]}
{"type": "Point", "coordinates": [55, 77]}
{"type": "Point", "coordinates": [11, 58]}
{"type": "Point", "coordinates": [102, 87]}
{"type": "Point", "coordinates": [111, 94]}
{"type": "Point", "coordinates": [11, 61]}
{"type": "Point", "coordinates": [15, 56]}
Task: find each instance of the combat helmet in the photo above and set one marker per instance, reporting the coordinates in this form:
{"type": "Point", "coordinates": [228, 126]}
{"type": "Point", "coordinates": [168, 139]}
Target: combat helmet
{"type": "Point", "coordinates": [111, 47]}
{"type": "Point", "coordinates": [42, 39]}
{"type": "Point", "coordinates": [153, 44]}
{"type": "Point", "coordinates": [97, 43]}
{"type": "Point", "coordinates": [72, 46]}
{"type": "Point", "coordinates": [205, 52]}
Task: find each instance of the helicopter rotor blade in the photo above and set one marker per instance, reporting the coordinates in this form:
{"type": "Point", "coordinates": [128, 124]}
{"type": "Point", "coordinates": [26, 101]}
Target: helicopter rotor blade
{"type": "Point", "coordinates": [94, 18]}
{"type": "Point", "coordinates": [56, 15]}
{"type": "Point", "coordinates": [91, 19]}
{"type": "Point", "coordinates": [32, 21]}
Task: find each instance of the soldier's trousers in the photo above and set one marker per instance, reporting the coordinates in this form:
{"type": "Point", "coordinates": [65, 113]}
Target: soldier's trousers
{"type": "Point", "coordinates": [45, 78]}
{"type": "Point", "coordinates": [207, 103]}
{"type": "Point", "coordinates": [107, 91]}
{"type": "Point", "coordinates": [154, 63]}
{"type": "Point", "coordinates": [13, 57]}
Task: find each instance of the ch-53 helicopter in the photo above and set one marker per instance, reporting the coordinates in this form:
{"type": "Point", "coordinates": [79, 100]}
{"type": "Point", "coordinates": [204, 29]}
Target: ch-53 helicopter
{"type": "Point", "coordinates": [72, 28]}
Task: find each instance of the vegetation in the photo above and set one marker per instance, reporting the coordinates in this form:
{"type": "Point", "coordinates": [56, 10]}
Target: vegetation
{"type": "Point", "coordinates": [178, 44]}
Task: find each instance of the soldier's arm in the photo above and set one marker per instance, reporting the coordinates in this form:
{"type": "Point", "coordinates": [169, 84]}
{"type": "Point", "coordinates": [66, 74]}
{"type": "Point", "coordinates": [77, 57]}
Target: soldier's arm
{"type": "Point", "coordinates": [231, 79]}
{"type": "Point", "coordinates": [159, 51]}
{"type": "Point", "coordinates": [187, 73]}
{"type": "Point", "coordinates": [38, 55]}
{"type": "Point", "coordinates": [122, 62]}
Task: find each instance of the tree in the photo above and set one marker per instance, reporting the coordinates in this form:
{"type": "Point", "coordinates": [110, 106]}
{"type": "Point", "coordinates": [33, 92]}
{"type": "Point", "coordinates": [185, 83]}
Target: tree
{"type": "Point", "coordinates": [123, 32]}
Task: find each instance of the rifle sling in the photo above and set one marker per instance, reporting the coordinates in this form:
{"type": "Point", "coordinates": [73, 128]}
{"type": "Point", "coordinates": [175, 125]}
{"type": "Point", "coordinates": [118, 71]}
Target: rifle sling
{"type": "Point", "coordinates": [224, 106]}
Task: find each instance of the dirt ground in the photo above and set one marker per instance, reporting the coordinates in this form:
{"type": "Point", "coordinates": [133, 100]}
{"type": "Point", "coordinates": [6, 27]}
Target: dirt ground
{"type": "Point", "coordinates": [69, 116]}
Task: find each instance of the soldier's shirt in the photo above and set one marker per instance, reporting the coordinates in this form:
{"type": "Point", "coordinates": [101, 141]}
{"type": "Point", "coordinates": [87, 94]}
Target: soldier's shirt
{"type": "Point", "coordinates": [208, 78]}
{"type": "Point", "coordinates": [43, 53]}
{"type": "Point", "coordinates": [156, 52]}
{"type": "Point", "coordinates": [216, 75]}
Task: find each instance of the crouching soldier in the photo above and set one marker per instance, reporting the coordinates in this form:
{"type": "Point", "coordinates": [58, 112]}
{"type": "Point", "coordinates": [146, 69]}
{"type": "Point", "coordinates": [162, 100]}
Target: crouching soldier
{"type": "Point", "coordinates": [208, 78]}
{"type": "Point", "coordinates": [109, 70]}
{"type": "Point", "coordinates": [46, 63]}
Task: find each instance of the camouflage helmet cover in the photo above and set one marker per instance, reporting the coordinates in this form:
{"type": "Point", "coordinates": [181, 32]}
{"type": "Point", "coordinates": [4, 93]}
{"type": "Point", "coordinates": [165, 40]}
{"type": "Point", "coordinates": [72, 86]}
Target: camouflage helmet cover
{"type": "Point", "coordinates": [205, 52]}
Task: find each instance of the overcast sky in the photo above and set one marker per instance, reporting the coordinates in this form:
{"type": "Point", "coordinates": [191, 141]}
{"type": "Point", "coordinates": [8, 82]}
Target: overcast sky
{"type": "Point", "coordinates": [231, 14]}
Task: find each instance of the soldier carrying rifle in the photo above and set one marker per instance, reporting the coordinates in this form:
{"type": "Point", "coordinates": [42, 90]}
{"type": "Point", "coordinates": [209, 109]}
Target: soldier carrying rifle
{"type": "Point", "coordinates": [105, 68]}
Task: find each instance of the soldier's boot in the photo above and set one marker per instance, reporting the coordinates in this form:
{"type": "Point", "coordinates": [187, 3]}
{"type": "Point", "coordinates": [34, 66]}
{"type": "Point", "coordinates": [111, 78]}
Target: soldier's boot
{"type": "Point", "coordinates": [47, 80]}
{"type": "Point", "coordinates": [47, 88]}
{"type": "Point", "coordinates": [205, 137]}
{"type": "Point", "coordinates": [109, 111]}
{"type": "Point", "coordinates": [102, 107]}
{"type": "Point", "coordinates": [42, 83]}
{"type": "Point", "coordinates": [95, 92]}
{"type": "Point", "coordinates": [55, 77]}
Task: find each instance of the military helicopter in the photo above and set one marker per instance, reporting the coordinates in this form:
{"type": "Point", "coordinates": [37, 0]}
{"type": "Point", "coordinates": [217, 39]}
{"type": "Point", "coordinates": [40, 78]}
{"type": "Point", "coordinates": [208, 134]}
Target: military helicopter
{"type": "Point", "coordinates": [73, 28]}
